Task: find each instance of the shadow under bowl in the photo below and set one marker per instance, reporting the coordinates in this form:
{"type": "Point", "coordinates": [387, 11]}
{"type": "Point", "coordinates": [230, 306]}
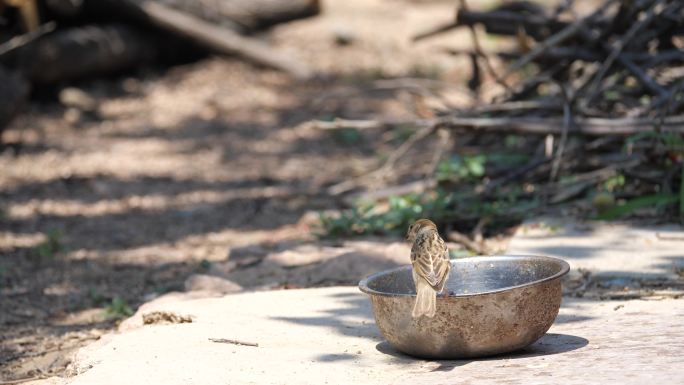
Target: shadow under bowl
{"type": "Point", "coordinates": [490, 305]}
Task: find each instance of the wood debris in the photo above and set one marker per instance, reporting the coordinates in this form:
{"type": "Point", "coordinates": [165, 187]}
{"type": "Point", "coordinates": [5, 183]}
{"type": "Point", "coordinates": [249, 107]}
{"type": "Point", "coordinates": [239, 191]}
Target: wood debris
{"type": "Point", "coordinates": [165, 317]}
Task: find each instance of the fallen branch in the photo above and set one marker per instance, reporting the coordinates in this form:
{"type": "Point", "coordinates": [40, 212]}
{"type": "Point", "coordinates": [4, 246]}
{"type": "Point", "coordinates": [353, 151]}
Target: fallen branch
{"type": "Point", "coordinates": [338, 124]}
{"type": "Point", "coordinates": [504, 22]}
{"type": "Point", "coordinates": [499, 21]}
{"type": "Point", "coordinates": [528, 86]}
{"type": "Point", "coordinates": [517, 106]}
{"type": "Point", "coordinates": [464, 240]}
{"type": "Point", "coordinates": [515, 174]}
{"type": "Point", "coordinates": [381, 172]}
{"type": "Point", "coordinates": [566, 190]}
{"type": "Point", "coordinates": [436, 31]}
{"type": "Point", "coordinates": [247, 15]}
{"type": "Point", "coordinates": [234, 342]}
{"type": "Point", "coordinates": [78, 52]}
{"type": "Point", "coordinates": [399, 152]}
{"type": "Point", "coordinates": [527, 125]}
{"type": "Point", "coordinates": [477, 233]}
{"type": "Point", "coordinates": [219, 39]}
{"type": "Point", "coordinates": [583, 126]}
{"type": "Point", "coordinates": [638, 73]}
{"type": "Point", "coordinates": [555, 54]}
{"type": "Point", "coordinates": [567, 123]}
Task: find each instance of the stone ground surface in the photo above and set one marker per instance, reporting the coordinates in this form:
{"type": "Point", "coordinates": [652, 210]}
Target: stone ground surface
{"type": "Point", "coordinates": [606, 249]}
{"type": "Point", "coordinates": [327, 336]}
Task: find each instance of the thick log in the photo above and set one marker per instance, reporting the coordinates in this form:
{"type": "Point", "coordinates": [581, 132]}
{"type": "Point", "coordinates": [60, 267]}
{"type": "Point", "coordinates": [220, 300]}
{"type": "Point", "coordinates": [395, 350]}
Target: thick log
{"type": "Point", "coordinates": [83, 52]}
{"type": "Point", "coordinates": [528, 125]}
{"type": "Point", "coordinates": [13, 95]}
{"type": "Point", "coordinates": [218, 39]}
{"type": "Point", "coordinates": [243, 16]}
{"type": "Point", "coordinates": [216, 26]}
{"type": "Point", "coordinates": [247, 15]}
{"type": "Point", "coordinates": [554, 126]}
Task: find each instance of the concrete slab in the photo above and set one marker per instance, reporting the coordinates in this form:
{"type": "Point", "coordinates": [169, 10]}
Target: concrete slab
{"type": "Point", "coordinates": [327, 336]}
{"type": "Point", "coordinates": [605, 249]}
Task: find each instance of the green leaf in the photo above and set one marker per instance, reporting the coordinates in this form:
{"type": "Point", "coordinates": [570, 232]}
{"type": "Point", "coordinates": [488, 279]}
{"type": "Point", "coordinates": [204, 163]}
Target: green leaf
{"type": "Point", "coordinates": [614, 182]}
{"type": "Point", "coordinates": [118, 308]}
{"type": "Point", "coordinates": [476, 165]}
{"type": "Point", "coordinates": [637, 203]}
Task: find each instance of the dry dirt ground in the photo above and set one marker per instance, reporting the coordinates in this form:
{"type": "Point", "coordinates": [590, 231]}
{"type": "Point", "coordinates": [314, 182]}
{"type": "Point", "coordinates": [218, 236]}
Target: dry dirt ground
{"type": "Point", "coordinates": [179, 168]}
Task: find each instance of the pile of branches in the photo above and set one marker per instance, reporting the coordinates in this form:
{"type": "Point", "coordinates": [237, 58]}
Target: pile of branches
{"type": "Point", "coordinates": [599, 99]}
{"type": "Point", "coordinates": [618, 69]}
{"type": "Point", "coordinates": [52, 42]}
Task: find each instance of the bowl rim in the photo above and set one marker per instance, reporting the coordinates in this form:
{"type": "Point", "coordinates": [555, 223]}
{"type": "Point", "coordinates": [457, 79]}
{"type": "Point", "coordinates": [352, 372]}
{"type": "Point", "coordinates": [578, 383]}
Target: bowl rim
{"type": "Point", "coordinates": [565, 268]}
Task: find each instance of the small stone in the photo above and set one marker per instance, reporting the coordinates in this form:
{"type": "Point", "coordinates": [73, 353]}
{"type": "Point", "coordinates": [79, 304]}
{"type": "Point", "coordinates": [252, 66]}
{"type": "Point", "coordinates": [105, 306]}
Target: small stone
{"type": "Point", "coordinates": [247, 251]}
{"type": "Point", "coordinates": [72, 115]}
{"type": "Point", "coordinates": [78, 99]}
{"type": "Point", "coordinates": [222, 268]}
{"type": "Point", "coordinates": [304, 255]}
{"type": "Point", "coordinates": [131, 85]}
{"type": "Point", "coordinates": [344, 36]}
{"type": "Point", "coordinates": [203, 282]}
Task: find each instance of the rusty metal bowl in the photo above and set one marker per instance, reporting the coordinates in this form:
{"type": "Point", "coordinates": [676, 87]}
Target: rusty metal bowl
{"type": "Point", "coordinates": [491, 305]}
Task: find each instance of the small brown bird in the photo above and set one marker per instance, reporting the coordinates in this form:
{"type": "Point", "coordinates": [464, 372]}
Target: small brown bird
{"type": "Point", "coordinates": [431, 266]}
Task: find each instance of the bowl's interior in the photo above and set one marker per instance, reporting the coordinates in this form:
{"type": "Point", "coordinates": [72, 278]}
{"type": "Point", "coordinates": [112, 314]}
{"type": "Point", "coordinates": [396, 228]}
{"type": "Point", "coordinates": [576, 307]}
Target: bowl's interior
{"type": "Point", "coordinates": [474, 275]}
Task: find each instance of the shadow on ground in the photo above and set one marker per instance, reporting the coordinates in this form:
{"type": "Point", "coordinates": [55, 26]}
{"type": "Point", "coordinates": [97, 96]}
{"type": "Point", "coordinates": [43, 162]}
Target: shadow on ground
{"type": "Point", "coordinates": [357, 306]}
{"type": "Point", "coordinates": [549, 344]}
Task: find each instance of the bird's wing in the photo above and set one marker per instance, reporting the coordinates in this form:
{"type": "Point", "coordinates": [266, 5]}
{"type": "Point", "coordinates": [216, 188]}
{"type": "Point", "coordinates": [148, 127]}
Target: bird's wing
{"type": "Point", "coordinates": [442, 265]}
{"type": "Point", "coordinates": [430, 259]}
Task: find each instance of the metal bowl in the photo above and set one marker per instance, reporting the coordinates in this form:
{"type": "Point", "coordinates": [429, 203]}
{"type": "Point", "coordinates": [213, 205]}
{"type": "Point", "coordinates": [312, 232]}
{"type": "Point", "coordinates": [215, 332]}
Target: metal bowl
{"type": "Point", "coordinates": [491, 305]}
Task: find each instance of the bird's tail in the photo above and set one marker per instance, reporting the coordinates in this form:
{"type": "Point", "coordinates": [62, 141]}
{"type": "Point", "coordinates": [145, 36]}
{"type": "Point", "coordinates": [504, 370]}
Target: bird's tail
{"type": "Point", "coordinates": [426, 300]}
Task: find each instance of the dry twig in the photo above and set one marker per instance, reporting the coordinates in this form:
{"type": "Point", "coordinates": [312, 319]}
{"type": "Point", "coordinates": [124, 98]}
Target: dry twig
{"type": "Point", "coordinates": [567, 122]}
{"type": "Point", "coordinates": [234, 342]}
{"type": "Point", "coordinates": [464, 240]}
{"type": "Point", "coordinates": [382, 172]}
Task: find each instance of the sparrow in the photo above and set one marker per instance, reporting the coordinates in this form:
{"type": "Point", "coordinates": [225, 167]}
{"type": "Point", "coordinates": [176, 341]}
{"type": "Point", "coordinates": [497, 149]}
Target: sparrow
{"type": "Point", "coordinates": [431, 266]}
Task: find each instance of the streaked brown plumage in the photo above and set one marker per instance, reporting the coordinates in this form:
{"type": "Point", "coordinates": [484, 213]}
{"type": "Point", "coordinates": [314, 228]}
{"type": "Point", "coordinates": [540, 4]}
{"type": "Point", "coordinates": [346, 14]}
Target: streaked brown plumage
{"type": "Point", "coordinates": [431, 266]}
